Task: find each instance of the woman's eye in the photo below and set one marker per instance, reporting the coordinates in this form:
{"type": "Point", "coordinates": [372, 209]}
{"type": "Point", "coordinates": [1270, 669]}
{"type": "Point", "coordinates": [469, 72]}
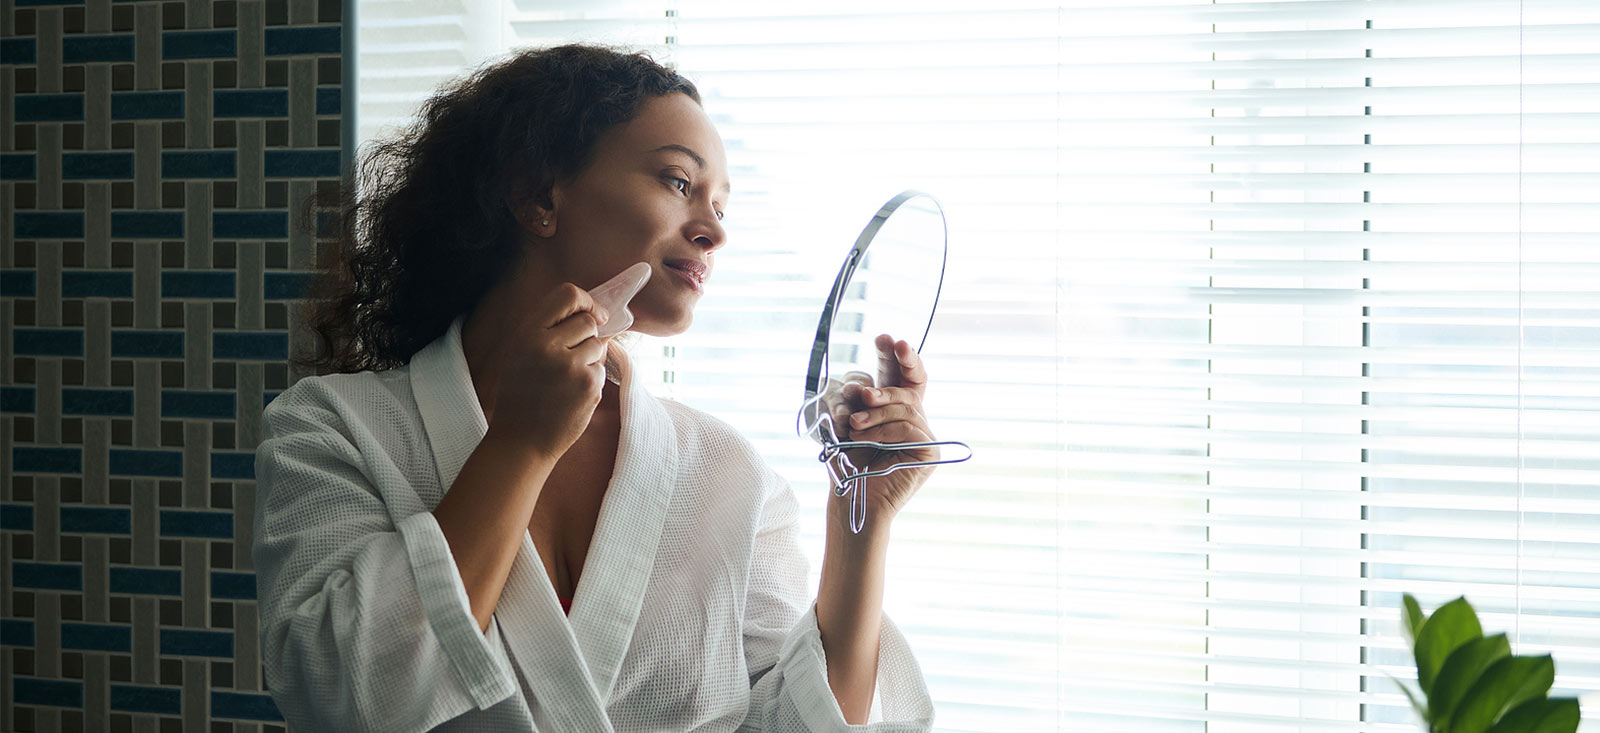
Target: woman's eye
{"type": "Point", "coordinates": [681, 184]}
{"type": "Point", "coordinates": [719, 216]}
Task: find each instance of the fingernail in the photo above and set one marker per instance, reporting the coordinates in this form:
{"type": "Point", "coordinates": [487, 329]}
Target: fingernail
{"type": "Point", "coordinates": [858, 418]}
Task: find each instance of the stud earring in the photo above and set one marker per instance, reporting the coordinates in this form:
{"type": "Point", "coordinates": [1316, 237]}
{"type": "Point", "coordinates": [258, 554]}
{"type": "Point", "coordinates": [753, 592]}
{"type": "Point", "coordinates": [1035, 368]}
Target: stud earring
{"type": "Point", "coordinates": [544, 223]}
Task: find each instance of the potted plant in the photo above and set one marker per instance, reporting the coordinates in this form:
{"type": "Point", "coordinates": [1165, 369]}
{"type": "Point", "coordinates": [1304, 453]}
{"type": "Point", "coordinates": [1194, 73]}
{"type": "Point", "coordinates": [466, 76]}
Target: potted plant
{"type": "Point", "coordinates": [1471, 683]}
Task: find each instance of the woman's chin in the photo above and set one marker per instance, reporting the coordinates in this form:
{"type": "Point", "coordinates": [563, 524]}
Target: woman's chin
{"type": "Point", "coordinates": [661, 327]}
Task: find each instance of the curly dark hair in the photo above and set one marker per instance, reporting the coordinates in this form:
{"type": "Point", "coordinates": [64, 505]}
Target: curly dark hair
{"type": "Point", "coordinates": [430, 228]}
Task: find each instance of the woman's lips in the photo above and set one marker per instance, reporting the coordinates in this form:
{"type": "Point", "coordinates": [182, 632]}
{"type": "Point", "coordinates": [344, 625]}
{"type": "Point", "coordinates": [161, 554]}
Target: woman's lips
{"type": "Point", "coordinates": [688, 277]}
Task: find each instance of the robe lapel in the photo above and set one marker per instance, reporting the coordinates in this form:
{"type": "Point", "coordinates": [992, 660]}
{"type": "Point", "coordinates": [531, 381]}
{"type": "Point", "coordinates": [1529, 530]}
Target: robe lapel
{"type": "Point", "coordinates": [628, 531]}
{"type": "Point", "coordinates": [530, 617]}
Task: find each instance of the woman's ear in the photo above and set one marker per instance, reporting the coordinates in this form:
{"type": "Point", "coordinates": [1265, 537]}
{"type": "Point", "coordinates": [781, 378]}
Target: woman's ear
{"type": "Point", "coordinates": [535, 214]}
{"type": "Point", "coordinates": [538, 221]}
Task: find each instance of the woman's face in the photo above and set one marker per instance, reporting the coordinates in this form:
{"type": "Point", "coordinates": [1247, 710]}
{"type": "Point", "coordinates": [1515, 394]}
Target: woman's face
{"type": "Point", "coordinates": [654, 192]}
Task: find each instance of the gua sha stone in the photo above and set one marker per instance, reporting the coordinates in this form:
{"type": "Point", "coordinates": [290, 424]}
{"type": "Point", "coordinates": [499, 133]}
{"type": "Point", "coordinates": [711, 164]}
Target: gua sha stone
{"type": "Point", "coordinates": [613, 295]}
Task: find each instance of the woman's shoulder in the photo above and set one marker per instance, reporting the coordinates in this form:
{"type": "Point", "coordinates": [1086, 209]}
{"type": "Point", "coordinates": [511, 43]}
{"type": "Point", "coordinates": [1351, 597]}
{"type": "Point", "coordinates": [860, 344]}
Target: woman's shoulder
{"type": "Point", "coordinates": [366, 399]}
{"type": "Point", "coordinates": [698, 425]}
{"type": "Point", "coordinates": [713, 440]}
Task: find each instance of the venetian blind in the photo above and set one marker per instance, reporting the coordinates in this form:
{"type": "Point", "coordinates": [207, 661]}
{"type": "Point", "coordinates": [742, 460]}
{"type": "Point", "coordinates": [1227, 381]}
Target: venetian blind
{"type": "Point", "coordinates": [1257, 315]}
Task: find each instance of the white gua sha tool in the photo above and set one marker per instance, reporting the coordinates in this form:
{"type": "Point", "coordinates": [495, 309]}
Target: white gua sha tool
{"type": "Point", "coordinates": [614, 294]}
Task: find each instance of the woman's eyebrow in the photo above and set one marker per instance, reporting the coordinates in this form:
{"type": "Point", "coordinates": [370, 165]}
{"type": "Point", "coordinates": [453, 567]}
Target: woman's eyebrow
{"type": "Point", "coordinates": [698, 161]}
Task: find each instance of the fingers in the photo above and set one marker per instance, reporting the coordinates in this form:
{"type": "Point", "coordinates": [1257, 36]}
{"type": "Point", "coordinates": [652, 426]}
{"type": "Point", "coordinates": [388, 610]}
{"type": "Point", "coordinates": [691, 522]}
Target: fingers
{"type": "Point", "coordinates": [590, 352]}
{"type": "Point", "coordinates": [860, 379]}
{"type": "Point", "coordinates": [576, 330]}
{"type": "Point", "coordinates": [899, 359]}
{"type": "Point", "coordinates": [865, 419]}
{"type": "Point", "coordinates": [860, 397]}
{"type": "Point", "coordinates": [897, 431]}
{"type": "Point", "coordinates": [570, 301]}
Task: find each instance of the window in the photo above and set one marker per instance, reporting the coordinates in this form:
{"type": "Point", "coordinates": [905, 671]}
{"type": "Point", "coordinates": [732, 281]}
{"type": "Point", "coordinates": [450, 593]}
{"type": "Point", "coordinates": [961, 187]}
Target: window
{"type": "Point", "coordinates": [1257, 315]}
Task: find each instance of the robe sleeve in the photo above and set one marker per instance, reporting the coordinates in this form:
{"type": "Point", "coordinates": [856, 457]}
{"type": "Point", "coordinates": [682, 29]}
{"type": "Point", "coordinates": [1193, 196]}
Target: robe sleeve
{"type": "Point", "coordinates": [783, 647]}
{"type": "Point", "coordinates": [365, 621]}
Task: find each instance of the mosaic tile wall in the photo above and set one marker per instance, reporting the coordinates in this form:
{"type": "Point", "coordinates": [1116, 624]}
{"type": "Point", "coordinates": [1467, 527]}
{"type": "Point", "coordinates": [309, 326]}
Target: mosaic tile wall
{"type": "Point", "coordinates": [153, 162]}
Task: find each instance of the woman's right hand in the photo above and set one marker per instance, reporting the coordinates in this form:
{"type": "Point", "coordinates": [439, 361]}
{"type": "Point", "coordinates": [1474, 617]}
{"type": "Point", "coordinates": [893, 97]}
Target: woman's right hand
{"type": "Point", "coordinates": [549, 372]}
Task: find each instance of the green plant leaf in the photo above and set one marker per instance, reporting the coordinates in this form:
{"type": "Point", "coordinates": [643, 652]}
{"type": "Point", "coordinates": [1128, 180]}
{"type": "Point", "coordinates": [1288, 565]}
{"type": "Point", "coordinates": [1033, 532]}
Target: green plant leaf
{"type": "Point", "coordinates": [1553, 715]}
{"type": "Point", "coordinates": [1411, 618]}
{"type": "Point", "coordinates": [1453, 624]}
{"type": "Point", "coordinates": [1462, 668]}
{"type": "Point", "coordinates": [1506, 684]}
{"type": "Point", "coordinates": [1422, 710]}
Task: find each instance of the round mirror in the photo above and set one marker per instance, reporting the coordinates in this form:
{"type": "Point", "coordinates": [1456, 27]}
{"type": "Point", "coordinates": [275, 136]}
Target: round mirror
{"type": "Point", "coordinates": [889, 283]}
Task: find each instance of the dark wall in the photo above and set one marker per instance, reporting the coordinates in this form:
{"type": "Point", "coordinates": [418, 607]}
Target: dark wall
{"type": "Point", "coordinates": [154, 156]}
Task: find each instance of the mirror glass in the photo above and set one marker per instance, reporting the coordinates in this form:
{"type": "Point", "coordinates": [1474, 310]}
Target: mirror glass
{"type": "Point", "coordinates": [888, 282]}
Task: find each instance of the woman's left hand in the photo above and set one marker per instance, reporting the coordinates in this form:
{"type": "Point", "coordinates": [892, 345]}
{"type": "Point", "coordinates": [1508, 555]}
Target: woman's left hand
{"type": "Point", "coordinates": [889, 411]}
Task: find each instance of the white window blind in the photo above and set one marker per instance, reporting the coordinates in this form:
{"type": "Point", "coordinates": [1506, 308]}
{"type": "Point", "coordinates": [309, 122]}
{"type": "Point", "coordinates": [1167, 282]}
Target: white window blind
{"type": "Point", "coordinates": [1257, 315]}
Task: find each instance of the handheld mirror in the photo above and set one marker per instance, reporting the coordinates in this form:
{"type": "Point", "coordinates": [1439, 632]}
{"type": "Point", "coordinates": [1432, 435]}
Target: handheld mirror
{"type": "Point", "coordinates": [889, 284]}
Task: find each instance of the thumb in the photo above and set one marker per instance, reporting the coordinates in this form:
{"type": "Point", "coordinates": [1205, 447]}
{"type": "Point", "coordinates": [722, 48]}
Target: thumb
{"type": "Point", "coordinates": [888, 363]}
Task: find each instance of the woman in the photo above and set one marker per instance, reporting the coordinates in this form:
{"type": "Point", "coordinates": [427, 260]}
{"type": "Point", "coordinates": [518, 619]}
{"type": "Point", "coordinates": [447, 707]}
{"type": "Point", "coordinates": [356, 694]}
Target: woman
{"type": "Point", "coordinates": [424, 515]}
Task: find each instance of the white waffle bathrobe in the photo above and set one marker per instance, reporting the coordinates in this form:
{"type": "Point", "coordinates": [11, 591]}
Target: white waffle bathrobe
{"type": "Point", "coordinates": [692, 613]}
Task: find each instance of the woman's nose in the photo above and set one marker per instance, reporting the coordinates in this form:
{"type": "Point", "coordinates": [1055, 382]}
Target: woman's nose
{"type": "Point", "coordinates": [708, 231]}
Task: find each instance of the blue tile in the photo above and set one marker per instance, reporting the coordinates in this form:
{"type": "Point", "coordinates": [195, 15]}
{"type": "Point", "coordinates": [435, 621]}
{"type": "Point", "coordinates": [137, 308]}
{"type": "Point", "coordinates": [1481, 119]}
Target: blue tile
{"type": "Point", "coordinates": [248, 103]}
{"type": "Point", "coordinates": [231, 465]}
{"type": "Point", "coordinates": [18, 167]}
{"type": "Point", "coordinates": [55, 693]}
{"type": "Point", "coordinates": [159, 463]}
{"type": "Point", "coordinates": [16, 283]}
{"type": "Point", "coordinates": [328, 224]}
{"type": "Point", "coordinates": [48, 225]}
{"type": "Point", "coordinates": [86, 401]}
{"type": "Point", "coordinates": [94, 284]}
{"type": "Point", "coordinates": [243, 706]}
{"type": "Point", "coordinates": [182, 523]}
{"type": "Point", "coordinates": [287, 285]}
{"type": "Point", "coordinates": [48, 576]}
{"type": "Point", "coordinates": [147, 225]}
{"type": "Point", "coordinates": [34, 3]}
{"type": "Point", "coordinates": [250, 224]}
{"type": "Point", "coordinates": [19, 51]}
{"type": "Point", "coordinates": [199, 44]}
{"type": "Point", "coordinates": [27, 459]}
{"type": "Point", "coordinates": [96, 637]}
{"type": "Point", "coordinates": [233, 586]}
{"type": "Point", "coordinates": [140, 699]}
{"type": "Point", "coordinates": [249, 345]}
{"type": "Point", "coordinates": [147, 105]}
{"type": "Point", "coordinates": [96, 520]}
{"type": "Point", "coordinates": [89, 49]}
{"type": "Point", "coordinates": [17, 517]}
{"type": "Point", "coordinates": [209, 284]}
{"type": "Point", "coordinates": [78, 166]}
{"type": "Point", "coordinates": [328, 101]}
{"type": "Point", "coordinates": [16, 399]}
{"type": "Point", "coordinates": [149, 344]}
{"type": "Point", "coordinates": [200, 405]}
{"type": "Point", "coordinates": [302, 163]}
{"type": "Point", "coordinates": [16, 632]}
{"type": "Point", "coordinates": [48, 107]}
{"type": "Point", "coordinates": [268, 397]}
{"type": "Point", "coordinates": [177, 642]}
{"type": "Point", "coordinates": [47, 341]}
{"type": "Point", "coordinates": [146, 581]}
{"type": "Point", "coordinates": [199, 164]}
{"type": "Point", "coordinates": [287, 41]}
